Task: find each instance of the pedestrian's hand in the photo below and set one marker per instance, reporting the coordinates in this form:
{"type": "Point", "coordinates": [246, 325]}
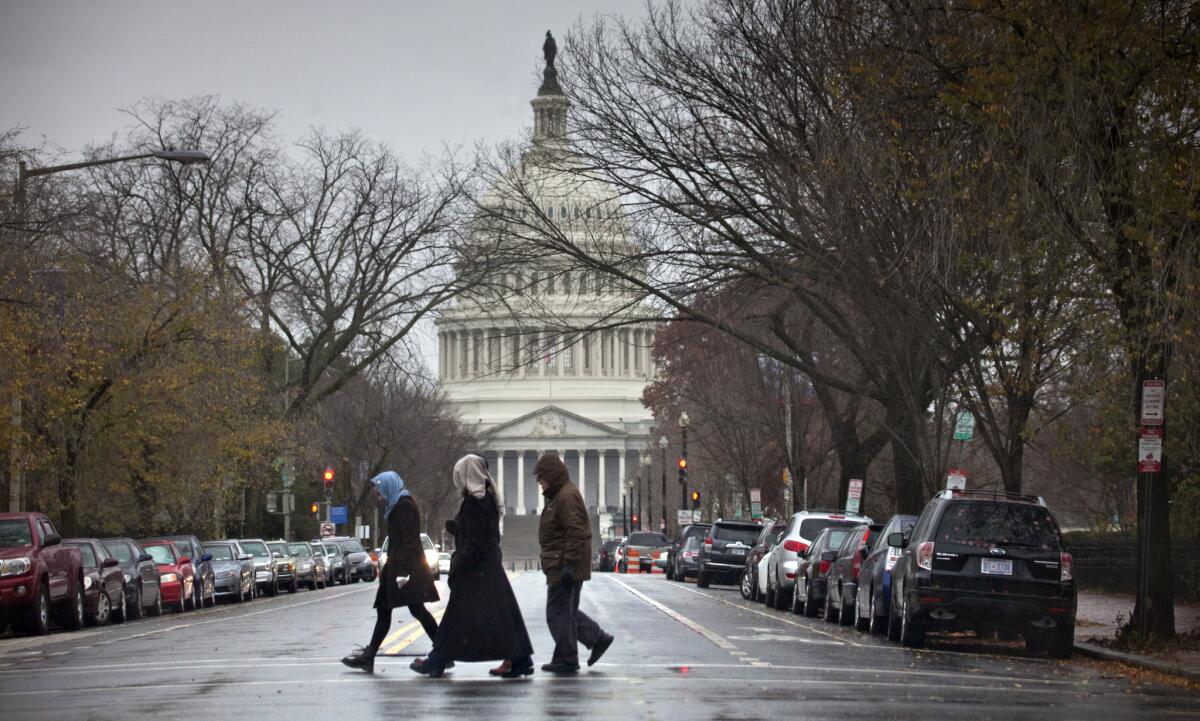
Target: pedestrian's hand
{"type": "Point", "coordinates": [568, 578]}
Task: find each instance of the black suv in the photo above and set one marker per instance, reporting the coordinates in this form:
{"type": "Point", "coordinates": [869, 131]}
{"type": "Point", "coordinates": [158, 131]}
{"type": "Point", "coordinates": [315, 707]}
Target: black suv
{"type": "Point", "coordinates": [723, 555]}
{"type": "Point", "coordinates": [984, 561]}
{"type": "Point", "coordinates": [675, 569]}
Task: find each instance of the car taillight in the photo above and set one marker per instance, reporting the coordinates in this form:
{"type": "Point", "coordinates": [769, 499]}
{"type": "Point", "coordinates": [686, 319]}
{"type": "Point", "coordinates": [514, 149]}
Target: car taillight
{"type": "Point", "coordinates": [823, 568]}
{"type": "Point", "coordinates": [689, 554]}
{"type": "Point", "coordinates": [1066, 567]}
{"type": "Point", "coordinates": [793, 546]}
{"type": "Point", "coordinates": [708, 541]}
{"type": "Point", "coordinates": [925, 555]}
{"type": "Point", "coordinates": [855, 565]}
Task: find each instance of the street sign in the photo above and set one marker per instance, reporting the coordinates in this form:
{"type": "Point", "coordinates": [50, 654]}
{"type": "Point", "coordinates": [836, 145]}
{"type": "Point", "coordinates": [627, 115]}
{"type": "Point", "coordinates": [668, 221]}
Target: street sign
{"type": "Point", "coordinates": [756, 503]}
{"type": "Point", "coordinates": [1150, 451]}
{"type": "Point", "coordinates": [956, 479]}
{"type": "Point", "coordinates": [1154, 396]}
{"type": "Point", "coordinates": [854, 495]}
{"type": "Point", "coordinates": [327, 529]}
{"type": "Point", "coordinates": [338, 514]}
{"type": "Point", "coordinates": [964, 426]}
{"type": "Point", "coordinates": [683, 518]}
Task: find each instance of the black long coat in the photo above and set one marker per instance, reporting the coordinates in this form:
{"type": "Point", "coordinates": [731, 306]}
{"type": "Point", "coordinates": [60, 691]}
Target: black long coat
{"type": "Point", "coordinates": [406, 557]}
{"type": "Point", "coordinates": [483, 621]}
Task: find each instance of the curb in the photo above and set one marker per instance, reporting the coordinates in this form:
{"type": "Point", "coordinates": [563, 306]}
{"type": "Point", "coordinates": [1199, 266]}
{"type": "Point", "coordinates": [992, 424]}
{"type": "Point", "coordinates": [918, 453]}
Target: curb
{"type": "Point", "coordinates": [1099, 652]}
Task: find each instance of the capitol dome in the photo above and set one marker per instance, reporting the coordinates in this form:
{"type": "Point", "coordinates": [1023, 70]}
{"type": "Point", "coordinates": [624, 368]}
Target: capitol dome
{"type": "Point", "coordinates": [546, 354]}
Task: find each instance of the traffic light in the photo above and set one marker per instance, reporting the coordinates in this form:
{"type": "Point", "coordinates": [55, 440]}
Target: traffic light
{"type": "Point", "coordinates": [314, 508]}
{"type": "Point", "coordinates": [327, 476]}
{"type": "Point", "coordinates": [683, 471]}
{"type": "Point", "coordinates": [634, 520]}
{"type": "Point", "coordinates": [695, 500]}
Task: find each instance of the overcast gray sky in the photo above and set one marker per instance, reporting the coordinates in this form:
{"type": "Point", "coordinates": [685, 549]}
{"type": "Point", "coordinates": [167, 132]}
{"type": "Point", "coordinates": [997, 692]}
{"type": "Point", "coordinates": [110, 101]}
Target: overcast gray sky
{"type": "Point", "coordinates": [416, 75]}
{"type": "Point", "coordinates": [413, 74]}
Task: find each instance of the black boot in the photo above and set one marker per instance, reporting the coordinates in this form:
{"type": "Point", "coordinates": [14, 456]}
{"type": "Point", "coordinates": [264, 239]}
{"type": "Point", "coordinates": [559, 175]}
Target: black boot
{"type": "Point", "coordinates": [363, 658]}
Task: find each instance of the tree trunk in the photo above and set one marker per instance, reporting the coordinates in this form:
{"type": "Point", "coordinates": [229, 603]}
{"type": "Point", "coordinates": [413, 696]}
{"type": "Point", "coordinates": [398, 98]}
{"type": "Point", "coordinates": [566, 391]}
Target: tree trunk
{"type": "Point", "coordinates": [906, 463]}
{"type": "Point", "coordinates": [1154, 517]}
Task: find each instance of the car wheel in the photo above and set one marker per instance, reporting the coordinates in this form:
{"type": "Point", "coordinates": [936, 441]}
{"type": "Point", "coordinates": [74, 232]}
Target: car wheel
{"type": "Point", "coordinates": [747, 585]}
{"type": "Point", "coordinates": [188, 603]}
{"type": "Point", "coordinates": [781, 599]}
{"type": "Point", "coordinates": [769, 596]}
{"type": "Point", "coordinates": [73, 609]}
{"type": "Point", "coordinates": [810, 605]}
{"type": "Point", "coordinates": [156, 609]}
{"type": "Point", "coordinates": [134, 608]}
{"type": "Point", "coordinates": [912, 633]}
{"type": "Point", "coordinates": [212, 595]}
{"type": "Point", "coordinates": [828, 613]}
{"type": "Point", "coordinates": [294, 587]}
{"type": "Point", "coordinates": [37, 618]}
{"type": "Point", "coordinates": [702, 579]}
{"type": "Point", "coordinates": [1062, 642]}
{"type": "Point", "coordinates": [122, 611]}
{"type": "Point", "coordinates": [796, 607]}
{"type": "Point", "coordinates": [104, 609]}
{"type": "Point", "coordinates": [875, 624]}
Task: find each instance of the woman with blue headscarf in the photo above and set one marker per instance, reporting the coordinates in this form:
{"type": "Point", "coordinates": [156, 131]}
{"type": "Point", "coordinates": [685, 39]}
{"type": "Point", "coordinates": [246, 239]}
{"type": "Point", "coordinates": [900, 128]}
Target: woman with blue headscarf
{"type": "Point", "coordinates": [405, 560]}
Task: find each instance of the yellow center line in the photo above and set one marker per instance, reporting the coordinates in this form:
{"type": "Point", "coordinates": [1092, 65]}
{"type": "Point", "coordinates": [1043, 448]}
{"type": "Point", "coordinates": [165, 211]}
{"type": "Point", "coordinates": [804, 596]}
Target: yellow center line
{"type": "Point", "coordinates": [397, 646]}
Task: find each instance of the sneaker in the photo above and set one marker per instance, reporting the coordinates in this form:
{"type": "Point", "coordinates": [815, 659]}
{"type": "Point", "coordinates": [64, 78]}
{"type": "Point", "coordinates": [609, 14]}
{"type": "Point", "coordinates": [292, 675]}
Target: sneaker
{"type": "Point", "coordinates": [599, 649]}
{"type": "Point", "coordinates": [560, 667]}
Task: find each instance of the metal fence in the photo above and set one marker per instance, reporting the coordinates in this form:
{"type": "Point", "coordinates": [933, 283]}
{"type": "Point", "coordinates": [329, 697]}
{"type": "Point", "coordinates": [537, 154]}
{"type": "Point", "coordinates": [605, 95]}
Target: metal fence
{"type": "Point", "coordinates": [1111, 565]}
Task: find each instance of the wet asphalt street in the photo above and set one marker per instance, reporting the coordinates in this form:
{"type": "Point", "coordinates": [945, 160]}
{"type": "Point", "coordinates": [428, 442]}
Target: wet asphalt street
{"type": "Point", "coordinates": [681, 653]}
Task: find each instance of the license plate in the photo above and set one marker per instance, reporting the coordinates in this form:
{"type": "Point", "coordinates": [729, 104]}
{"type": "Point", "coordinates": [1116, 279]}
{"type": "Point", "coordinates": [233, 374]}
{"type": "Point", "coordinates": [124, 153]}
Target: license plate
{"type": "Point", "coordinates": [738, 551]}
{"type": "Point", "coordinates": [996, 567]}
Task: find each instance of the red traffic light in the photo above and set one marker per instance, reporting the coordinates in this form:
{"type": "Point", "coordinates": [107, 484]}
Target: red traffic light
{"type": "Point", "coordinates": [682, 464]}
{"type": "Point", "coordinates": [328, 477]}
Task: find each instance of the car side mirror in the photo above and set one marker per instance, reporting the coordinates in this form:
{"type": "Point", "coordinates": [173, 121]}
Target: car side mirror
{"type": "Point", "coordinates": [110, 562]}
{"type": "Point", "coordinates": [206, 558]}
{"type": "Point", "coordinates": [276, 554]}
{"type": "Point", "coordinates": [245, 557]}
{"type": "Point", "coordinates": [896, 540]}
{"type": "Point", "coordinates": [184, 560]}
{"type": "Point", "coordinates": [829, 556]}
{"type": "Point", "coordinates": [52, 539]}
{"type": "Point", "coordinates": [145, 557]}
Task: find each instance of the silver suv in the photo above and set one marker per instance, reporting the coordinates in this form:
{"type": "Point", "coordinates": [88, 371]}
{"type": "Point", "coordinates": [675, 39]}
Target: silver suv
{"type": "Point", "coordinates": [802, 529]}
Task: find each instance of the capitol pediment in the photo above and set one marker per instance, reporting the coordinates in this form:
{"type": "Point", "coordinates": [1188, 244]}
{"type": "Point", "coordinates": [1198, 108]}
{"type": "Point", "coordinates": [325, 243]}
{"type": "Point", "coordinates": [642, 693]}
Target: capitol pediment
{"type": "Point", "coordinates": [551, 422]}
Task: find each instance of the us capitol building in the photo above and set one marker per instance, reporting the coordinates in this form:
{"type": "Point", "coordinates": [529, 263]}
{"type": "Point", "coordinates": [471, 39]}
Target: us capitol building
{"type": "Point", "coordinates": [509, 361]}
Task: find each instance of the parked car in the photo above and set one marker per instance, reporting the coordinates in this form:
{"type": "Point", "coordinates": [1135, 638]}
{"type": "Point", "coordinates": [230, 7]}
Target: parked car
{"type": "Point", "coordinates": [358, 564]}
{"type": "Point", "coordinates": [430, 550]}
{"type": "Point", "coordinates": [784, 558]}
{"type": "Point", "coordinates": [176, 574]}
{"type": "Point", "coordinates": [310, 568]}
{"type": "Point", "coordinates": [808, 595]}
{"type": "Point", "coordinates": [335, 565]}
{"type": "Point", "coordinates": [675, 571]}
{"type": "Point", "coordinates": [103, 582]}
{"type": "Point", "coordinates": [723, 554]}
{"type": "Point", "coordinates": [985, 561]}
{"type": "Point", "coordinates": [38, 574]}
{"type": "Point", "coordinates": [606, 555]}
{"type": "Point", "coordinates": [233, 568]}
{"type": "Point", "coordinates": [443, 562]}
{"type": "Point", "coordinates": [285, 566]}
{"type": "Point", "coordinates": [204, 590]}
{"type": "Point", "coordinates": [842, 579]}
{"type": "Point", "coordinates": [142, 594]}
{"type": "Point", "coordinates": [640, 550]}
{"type": "Point", "coordinates": [688, 562]}
{"type": "Point", "coordinates": [874, 600]}
{"type": "Point", "coordinates": [752, 584]}
{"type": "Point", "coordinates": [265, 579]}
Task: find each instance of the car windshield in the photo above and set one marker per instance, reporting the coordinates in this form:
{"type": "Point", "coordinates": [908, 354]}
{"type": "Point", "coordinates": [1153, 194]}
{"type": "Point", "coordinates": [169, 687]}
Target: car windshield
{"type": "Point", "coordinates": [319, 549]}
{"type": "Point", "coordinates": [280, 548]}
{"type": "Point", "coordinates": [258, 549]}
{"type": "Point", "coordinates": [984, 523]}
{"type": "Point", "coordinates": [426, 542]}
{"type": "Point", "coordinates": [746, 534]}
{"type": "Point", "coordinates": [812, 527]}
{"type": "Point", "coordinates": [648, 539]}
{"type": "Point", "coordinates": [332, 550]}
{"type": "Point", "coordinates": [300, 549]}
{"type": "Point", "coordinates": [220, 552]}
{"type": "Point", "coordinates": [89, 555]}
{"type": "Point", "coordinates": [161, 554]}
{"type": "Point", "coordinates": [186, 548]}
{"type": "Point", "coordinates": [15, 533]}
{"type": "Point", "coordinates": [354, 547]}
{"type": "Point", "coordinates": [120, 551]}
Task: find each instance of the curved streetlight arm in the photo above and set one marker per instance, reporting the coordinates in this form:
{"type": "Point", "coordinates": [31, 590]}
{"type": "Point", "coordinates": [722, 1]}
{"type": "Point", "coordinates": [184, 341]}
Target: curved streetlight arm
{"type": "Point", "coordinates": [186, 157]}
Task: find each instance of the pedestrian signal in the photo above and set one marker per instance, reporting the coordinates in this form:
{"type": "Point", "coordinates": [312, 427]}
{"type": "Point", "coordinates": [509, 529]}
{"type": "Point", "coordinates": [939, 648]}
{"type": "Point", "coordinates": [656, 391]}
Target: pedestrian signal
{"type": "Point", "coordinates": [695, 500]}
{"type": "Point", "coordinates": [314, 508]}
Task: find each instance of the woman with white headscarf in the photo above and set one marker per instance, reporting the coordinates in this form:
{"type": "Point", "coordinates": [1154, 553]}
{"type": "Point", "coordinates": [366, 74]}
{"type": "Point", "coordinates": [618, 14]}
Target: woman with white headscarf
{"type": "Point", "coordinates": [405, 560]}
{"type": "Point", "coordinates": [483, 621]}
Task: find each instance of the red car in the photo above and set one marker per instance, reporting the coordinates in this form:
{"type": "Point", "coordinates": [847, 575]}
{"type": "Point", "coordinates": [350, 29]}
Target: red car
{"type": "Point", "coordinates": [37, 572]}
{"type": "Point", "coordinates": [175, 573]}
{"type": "Point", "coordinates": [103, 582]}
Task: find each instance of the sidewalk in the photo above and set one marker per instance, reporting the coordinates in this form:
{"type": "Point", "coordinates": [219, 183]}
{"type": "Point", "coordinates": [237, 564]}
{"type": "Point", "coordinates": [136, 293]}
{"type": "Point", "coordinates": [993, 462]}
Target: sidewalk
{"type": "Point", "coordinates": [1096, 622]}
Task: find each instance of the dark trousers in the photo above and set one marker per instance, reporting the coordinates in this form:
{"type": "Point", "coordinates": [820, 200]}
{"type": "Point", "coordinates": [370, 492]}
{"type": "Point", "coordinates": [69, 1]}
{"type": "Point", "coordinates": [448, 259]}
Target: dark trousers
{"type": "Point", "coordinates": [568, 625]}
{"type": "Point", "coordinates": [384, 621]}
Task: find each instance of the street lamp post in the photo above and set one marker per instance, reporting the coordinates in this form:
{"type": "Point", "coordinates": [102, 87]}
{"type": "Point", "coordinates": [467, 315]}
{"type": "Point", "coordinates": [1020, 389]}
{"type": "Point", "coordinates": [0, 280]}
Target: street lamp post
{"type": "Point", "coordinates": [662, 447]}
{"type": "Point", "coordinates": [16, 479]}
{"type": "Point", "coordinates": [646, 463]}
{"type": "Point", "coordinates": [684, 422]}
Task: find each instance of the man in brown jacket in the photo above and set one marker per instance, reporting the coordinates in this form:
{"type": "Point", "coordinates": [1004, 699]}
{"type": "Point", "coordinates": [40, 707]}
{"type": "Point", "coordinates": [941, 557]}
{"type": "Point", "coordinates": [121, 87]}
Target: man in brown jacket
{"type": "Point", "coordinates": [565, 535]}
